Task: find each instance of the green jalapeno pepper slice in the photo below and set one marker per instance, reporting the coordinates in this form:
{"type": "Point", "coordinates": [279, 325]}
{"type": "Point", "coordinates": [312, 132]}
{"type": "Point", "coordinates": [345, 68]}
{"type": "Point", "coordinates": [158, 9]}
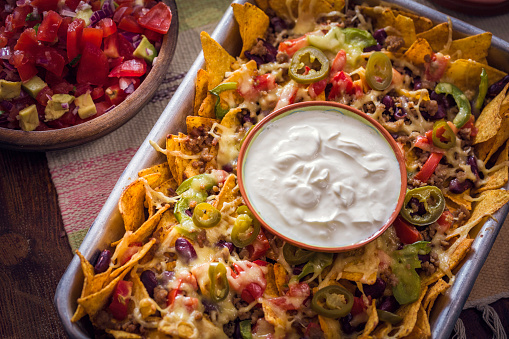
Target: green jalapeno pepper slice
{"type": "Point", "coordinates": [379, 71]}
{"type": "Point", "coordinates": [309, 64]}
{"type": "Point", "coordinates": [226, 86]}
{"type": "Point", "coordinates": [295, 255]}
{"type": "Point", "coordinates": [245, 329]}
{"type": "Point", "coordinates": [388, 317]}
{"type": "Point", "coordinates": [443, 136]}
{"type": "Point", "coordinates": [219, 287]}
{"type": "Point", "coordinates": [332, 302]}
{"type": "Point", "coordinates": [198, 182]}
{"type": "Point", "coordinates": [461, 101]}
{"type": "Point", "coordinates": [483, 89]}
{"type": "Point", "coordinates": [432, 199]}
{"type": "Point", "coordinates": [317, 264]}
{"type": "Point", "coordinates": [245, 221]}
{"type": "Point", "coordinates": [206, 216]}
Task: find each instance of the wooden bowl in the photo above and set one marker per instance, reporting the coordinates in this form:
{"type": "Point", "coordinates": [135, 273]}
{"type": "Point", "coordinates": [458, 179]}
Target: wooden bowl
{"type": "Point", "coordinates": [108, 122]}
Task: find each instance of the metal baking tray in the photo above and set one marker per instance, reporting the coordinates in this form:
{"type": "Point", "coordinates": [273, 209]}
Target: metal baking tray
{"type": "Point", "coordinates": [108, 225]}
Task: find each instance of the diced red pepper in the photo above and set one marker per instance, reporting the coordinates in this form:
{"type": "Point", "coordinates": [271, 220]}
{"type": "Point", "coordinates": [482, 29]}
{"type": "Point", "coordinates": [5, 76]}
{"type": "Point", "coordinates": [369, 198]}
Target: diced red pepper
{"type": "Point", "coordinates": [45, 5]}
{"type": "Point", "coordinates": [152, 36]}
{"type": "Point", "coordinates": [291, 46]}
{"type": "Point", "coordinates": [74, 33]}
{"type": "Point", "coordinates": [92, 35]}
{"type": "Point", "coordinates": [108, 26]}
{"type": "Point", "coordinates": [173, 294]}
{"type": "Point", "coordinates": [130, 68]}
{"type": "Point", "coordinates": [265, 82]}
{"type": "Point", "coordinates": [429, 167]}
{"type": "Point", "coordinates": [338, 64]}
{"type": "Point", "coordinates": [72, 4]}
{"type": "Point", "coordinates": [93, 68]}
{"type": "Point", "coordinates": [259, 247]}
{"type": "Point", "coordinates": [317, 88]}
{"type": "Point", "coordinates": [157, 19]}
{"type": "Point", "coordinates": [50, 59]}
{"type": "Point", "coordinates": [252, 292]}
{"type": "Point", "coordinates": [435, 69]}
{"type": "Point", "coordinates": [115, 94]}
{"type": "Point", "coordinates": [407, 233]}
{"type": "Point", "coordinates": [48, 30]}
{"type": "Point", "coordinates": [125, 48]}
{"type": "Point", "coordinates": [471, 124]}
{"type": "Point", "coordinates": [111, 46]}
{"type": "Point", "coordinates": [445, 221]}
{"type": "Point", "coordinates": [24, 65]}
{"type": "Point", "coordinates": [342, 83]}
{"type": "Point", "coordinates": [17, 18]}
{"type": "Point", "coordinates": [129, 24]}
{"type": "Point", "coordinates": [97, 93]}
{"type": "Point", "coordinates": [62, 30]}
{"type": "Point", "coordinates": [121, 12]}
{"type": "Point", "coordinates": [119, 305]}
{"type": "Point", "coordinates": [27, 41]}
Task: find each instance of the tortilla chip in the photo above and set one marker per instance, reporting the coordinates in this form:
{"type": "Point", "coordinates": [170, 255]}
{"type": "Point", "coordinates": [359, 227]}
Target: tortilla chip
{"type": "Point", "coordinates": [207, 108]}
{"type": "Point", "coordinates": [281, 278]}
{"type": "Point", "coordinates": [381, 16]}
{"type": "Point", "coordinates": [330, 327]}
{"type": "Point", "coordinates": [419, 49]}
{"type": "Point", "coordinates": [422, 329]}
{"type": "Point", "coordinates": [201, 89]}
{"type": "Point", "coordinates": [490, 120]}
{"type": "Point", "coordinates": [280, 7]}
{"type": "Point", "coordinates": [486, 149]}
{"type": "Point", "coordinates": [271, 289]}
{"type": "Point", "coordinates": [217, 59]}
{"type": "Point", "coordinates": [498, 178]}
{"type": "Point", "coordinates": [436, 36]}
{"type": "Point", "coordinates": [253, 23]}
{"type": "Point", "coordinates": [459, 199]}
{"type": "Point", "coordinates": [163, 169]}
{"type": "Point", "coordinates": [372, 321]}
{"type": "Point", "coordinates": [434, 291]}
{"type": "Point", "coordinates": [406, 28]}
{"type": "Point", "coordinates": [122, 334]}
{"type": "Point", "coordinates": [88, 272]}
{"type": "Point", "coordinates": [421, 23]}
{"type": "Point", "coordinates": [474, 47]}
{"type": "Point", "coordinates": [262, 4]}
{"type": "Point", "coordinates": [133, 260]}
{"type": "Point", "coordinates": [231, 119]}
{"type": "Point", "coordinates": [465, 74]}
{"type": "Point", "coordinates": [140, 296]}
{"type": "Point", "coordinates": [227, 194]}
{"type": "Point", "coordinates": [167, 188]}
{"type": "Point", "coordinates": [278, 319]}
{"type": "Point", "coordinates": [195, 122]}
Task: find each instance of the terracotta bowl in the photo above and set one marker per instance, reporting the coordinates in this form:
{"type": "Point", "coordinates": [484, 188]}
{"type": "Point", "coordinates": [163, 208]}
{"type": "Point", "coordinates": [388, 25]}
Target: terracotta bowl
{"type": "Point", "coordinates": [334, 108]}
{"type": "Point", "coordinates": [109, 121]}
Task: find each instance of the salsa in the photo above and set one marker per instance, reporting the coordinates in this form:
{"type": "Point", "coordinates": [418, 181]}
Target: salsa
{"type": "Point", "coordinates": [64, 63]}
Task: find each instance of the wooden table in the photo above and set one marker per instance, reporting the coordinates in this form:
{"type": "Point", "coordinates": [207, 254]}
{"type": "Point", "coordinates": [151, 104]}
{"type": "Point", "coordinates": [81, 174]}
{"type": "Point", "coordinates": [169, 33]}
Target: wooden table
{"type": "Point", "coordinates": [34, 253]}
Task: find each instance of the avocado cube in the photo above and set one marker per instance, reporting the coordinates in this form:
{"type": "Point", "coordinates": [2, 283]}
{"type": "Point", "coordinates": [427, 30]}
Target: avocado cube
{"type": "Point", "coordinates": [145, 50]}
{"type": "Point", "coordinates": [34, 86]}
{"type": "Point", "coordinates": [9, 89]}
{"type": "Point", "coordinates": [86, 106]}
{"type": "Point", "coordinates": [85, 14]}
{"type": "Point", "coordinates": [57, 106]}
{"type": "Point", "coordinates": [28, 118]}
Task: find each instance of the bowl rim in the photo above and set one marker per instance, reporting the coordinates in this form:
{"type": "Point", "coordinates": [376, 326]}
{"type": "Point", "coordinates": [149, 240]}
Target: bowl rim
{"type": "Point", "coordinates": [310, 104]}
{"type": "Point", "coordinates": [93, 129]}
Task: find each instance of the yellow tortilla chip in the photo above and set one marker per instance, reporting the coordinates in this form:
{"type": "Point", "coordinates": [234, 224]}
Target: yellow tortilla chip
{"type": "Point", "coordinates": [316, 7]}
{"type": "Point", "coordinates": [171, 148]}
{"type": "Point", "coordinates": [132, 261]}
{"type": "Point", "coordinates": [459, 199]}
{"type": "Point", "coordinates": [231, 119]}
{"type": "Point", "coordinates": [253, 23]}
{"type": "Point", "coordinates": [168, 187]}
{"type": "Point", "coordinates": [406, 28]}
{"type": "Point", "coordinates": [422, 329]}
{"type": "Point", "coordinates": [227, 194]}
{"type": "Point", "coordinates": [88, 273]}
{"type": "Point", "coordinates": [262, 4]}
{"type": "Point", "coordinates": [437, 36]}
{"type": "Point", "coordinates": [281, 278]}
{"type": "Point", "coordinates": [372, 321]}
{"type": "Point", "coordinates": [434, 291]}
{"type": "Point", "coordinates": [140, 296]}
{"type": "Point", "coordinates": [217, 59]}
{"type": "Point", "coordinates": [465, 74]}
{"type": "Point", "coordinates": [195, 122]}
{"type": "Point", "coordinates": [498, 178]}
{"type": "Point", "coordinates": [201, 89]}
{"type": "Point", "coordinates": [473, 47]}
{"type": "Point", "coordinates": [421, 23]}
{"type": "Point", "coordinates": [274, 315]}
{"type": "Point", "coordinates": [271, 289]}
{"type": "Point", "coordinates": [490, 120]}
{"type": "Point", "coordinates": [163, 169]}
{"type": "Point", "coordinates": [492, 145]}
{"type": "Point", "coordinates": [419, 49]}
{"type": "Point", "coordinates": [123, 334]}
{"type": "Point", "coordinates": [381, 16]}
{"type": "Point", "coordinates": [330, 327]}
{"type": "Point", "coordinates": [207, 107]}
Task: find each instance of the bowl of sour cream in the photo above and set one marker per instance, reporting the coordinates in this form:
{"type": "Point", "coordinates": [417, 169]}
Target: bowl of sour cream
{"type": "Point", "coordinates": [322, 176]}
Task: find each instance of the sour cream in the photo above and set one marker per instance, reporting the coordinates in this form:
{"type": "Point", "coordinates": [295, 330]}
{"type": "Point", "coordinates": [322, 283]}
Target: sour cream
{"type": "Point", "coordinates": [322, 178]}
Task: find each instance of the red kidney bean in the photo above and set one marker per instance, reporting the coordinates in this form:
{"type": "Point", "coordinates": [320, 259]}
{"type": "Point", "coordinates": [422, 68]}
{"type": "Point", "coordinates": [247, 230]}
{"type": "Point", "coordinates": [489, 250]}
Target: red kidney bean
{"type": "Point", "coordinates": [473, 165]}
{"type": "Point", "coordinates": [498, 86]}
{"type": "Point", "coordinates": [389, 304]}
{"type": "Point", "coordinates": [228, 245]}
{"type": "Point", "coordinates": [148, 278]}
{"type": "Point", "coordinates": [278, 24]}
{"type": "Point", "coordinates": [166, 277]}
{"type": "Point", "coordinates": [417, 83]}
{"type": "Point", "coordinates": [374, 48]}
{"type": "Point", "coordinates": [345, 324]}
{"type": "Point", "coordinates": [185, 250]}
{"type": "Point", "coordinates": [103, 262]}
{"type": "Point", "coordinates": [424, 257]}
{"type": "Point", "coordinates": [388, 102]}
{"type": "Point", "coordinates": [380, 36]}
{"type": "Point", "coordinates": [209, 305]}
{"type": "Point", "coordinates": [376, 290]}
{"type": "Point", "coordinates": [457, 187]}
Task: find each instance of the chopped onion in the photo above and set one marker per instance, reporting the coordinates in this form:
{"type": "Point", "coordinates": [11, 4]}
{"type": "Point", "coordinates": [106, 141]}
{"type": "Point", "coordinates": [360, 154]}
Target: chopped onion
{"type": "Point", "coordinates": [48, 96]}
{"type": "Point", "coordinates": [97, 16]}
{"type": "Point", "coordinates": [65, 105]}
{"type": "Point", "coordinates": [136, 44]}
{"type": "Point", "coordinates": [129, 89]}
{"type": "Point", "coordinates": [5, 53]}
{"type": "Point", "coordinates": [22, 2]}
{"type": "Point", "coordinates": [83, 6]}
{"type": "Point", "coordinates": [154, 61]}
{"type": "Point", "coordinates": [149, 51]}
{"type": "Point", "coordinates": [131, 37]}
{"type": "Point", "coordinates": [67, 12]}
{"type": "Point", "coordinates": [9, 66]}
{"type": "Point", "coordinates": [8, 8]}
{"type": "Point", "coordinates": [75, 110]}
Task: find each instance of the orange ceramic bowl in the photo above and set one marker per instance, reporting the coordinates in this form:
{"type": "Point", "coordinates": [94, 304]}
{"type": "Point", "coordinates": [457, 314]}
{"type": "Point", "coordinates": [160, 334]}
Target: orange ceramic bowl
{"type": "Point", "coordinates": [333, 107]}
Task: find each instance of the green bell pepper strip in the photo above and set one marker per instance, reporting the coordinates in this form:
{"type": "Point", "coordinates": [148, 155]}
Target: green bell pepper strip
{"type": "Point", "coordinates": [461, 101]}
{"type": "Point", "coordinates": [403, 266]}
{"type": "Point", "coordinates": [483, 89]}
{"type": "Point", "coordinates": [245, 329]}
{"type": "Point", "coordinates": [379, 71]}
{"type": "Point", "coordinates": [241, 237]}
{"type": "Point", "coordinates": [317, 264]}
{"type": "Point", "coordinates": [358, 38]}
{"type": "Point", "coordinates": [304, 61]}
{"type": "Point", "coordinates": [432, 199]}
{"type": "Point", "coordinates": [295, 255]}
{"type": "Point", "coordinates": [388, 317]}
{"type": "Point", "coordinates": [205, 215]}
{"type": "Point", "coordinates": [219, 286]}
{"type": "Point", "coordinates": [332, 302]}
{"type": "Point", "coordinates": [441, 131]}
{"type": "Point", "coordinates": [226, 86]}
{"type": "Point", "coordinates": [198, 182]}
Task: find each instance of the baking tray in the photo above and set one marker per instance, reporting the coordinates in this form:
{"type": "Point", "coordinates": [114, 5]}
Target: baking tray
{"type": "Point", "coordinates": [108, 225]}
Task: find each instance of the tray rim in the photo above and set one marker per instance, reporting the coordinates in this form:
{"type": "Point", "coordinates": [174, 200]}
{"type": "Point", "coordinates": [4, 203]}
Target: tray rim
{"type": "Point", "coordinates": [447, 308]}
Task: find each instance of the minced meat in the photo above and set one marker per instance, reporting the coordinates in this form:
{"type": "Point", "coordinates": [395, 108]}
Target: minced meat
{"type": "Point", "coordinates": [393, 43]}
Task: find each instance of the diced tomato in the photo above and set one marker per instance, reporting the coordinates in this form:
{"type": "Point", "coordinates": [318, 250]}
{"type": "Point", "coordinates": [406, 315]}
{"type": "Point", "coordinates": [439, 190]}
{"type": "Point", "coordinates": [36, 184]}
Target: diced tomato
{"type": "Point", "coordinates": [426, 143]}
{"type": "Point", "coordinates": [338, 64]}
{"type": "Point", "coordinates": [45, 5]}
{"type": "Point", "coordinates": [68, 119]}
{"type": "Point", "coordinates": [82, 89]}
{"type": "Point", "coordinates": [252, 292]}
{"type": "Point", "coordinates": [248, 279]}
{"type": "Point", "coordinates": [125, 48]}
{"type": "Point", "coordinates": [24, 65]}
{"type": "Point", "coordinates": [358, 306]}
{"type": "Point", "coordinates": [294, 298]}
{"type": "Point", "coordinates": [121, 12]}
{"type": "Point", "coordinates": [97, 93]}
{"type": "Point", "coordinates": [108, 26]}
{"type": "Point", "coordinates": [129, 24]}
{"type": "Point", "coordinates": [72, 4]}
{"type": "Point", "coordinates": [125, 82]}
{"type": "Point", "coordinates": [130, 68]}
{"type": "Point", "coordinates": [18, 17]}
{"type": "Point", "coordinates": [62, 88]}
{"type": "Point", "coordinates": [92, 35]}
{"type": "Point", "coordinates": [342, 83]}
{"type": "Point", "coordinates": [3, 41]}
{"type": "Point", "coordinates": [96, 5]}
{"type": "Point", "coordinates": [152, 36]}
{"type": "Point", "coordinates": [42, 96]}
{"type": "Point", "coordinates": [93, 68]}
{"type": "Point", "coordinates": [111, 46]}
{"type": "Point", "coordinates": [259, 247]}
{"type": "Point", "coordinates": [48, 30]}
{"type": "Point", "coordinates": [429, 167]}
{"type": "Point", "coordinates": [157, 19]}
{"type": "Point", "coordinates": [445, 221]}
{"type": "Point", "coordinates": [119, 305]}
{"type": "Point", "coordinates": [74, 33]}
{"type": "Point", "coordinates": [265, 82]}
{"type": "Point", "coordinates": [173, 294]}
{"type": "Point", "coordinates": [115, 95]}
{"type": "Point", "coordinates": [316, 88]}
{"type": "Point", "coordinates": [291, 46]}
{"type": "Point", "coordinates": [50, 59]}
{"type": "Point", "coordinates": [101, 107]}
{"type": "Point", "coordinates": [407, 233]}
{"type": "Point", "coordinates": [435, 69]}
{"type": "Point", "coordinates": [471, 124]}
{"type": "Point", "coordinates": [287, 95]}
{"type": "Point", "coordinates": [27, 41]}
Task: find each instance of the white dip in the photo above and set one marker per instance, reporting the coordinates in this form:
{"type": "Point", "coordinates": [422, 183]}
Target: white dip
{"type": "Point", "coordinates": [322, 178]}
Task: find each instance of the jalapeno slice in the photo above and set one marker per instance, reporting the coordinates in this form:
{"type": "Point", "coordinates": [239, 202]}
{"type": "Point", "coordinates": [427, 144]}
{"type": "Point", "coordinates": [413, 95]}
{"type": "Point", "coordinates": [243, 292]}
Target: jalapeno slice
{"type": "Point", "coordinates": [205, 215]}
{"type": "Point", "coordinates": [295, 255]}
{"type": "Point", "coordinates": [443, 136]}
{"type": "Point", "coordinates": [246, 227]}
{"type": "Point", "coordinates": [461, 101]}
{"type": "Point", "coordinates": [226, 86]}
{"type": "Point", "coordinates": [245, 329]}
{"type": "Point", "coordinates": [379, 71]}
{"type": "Point", "coordinates": [483, 89]}
{"type": "Point", "coordinates": [388, 317]}
{"type": "Point", "coordinates": [431, 198]}
{"type": "Point", "coordinates": [219, 287]}
{"type": "Point", "coordinates": [309, 64]}
{"type": "Point", "coordinates": [198, 182]}
{"type": "Point", "coordinates": [332, 302]}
